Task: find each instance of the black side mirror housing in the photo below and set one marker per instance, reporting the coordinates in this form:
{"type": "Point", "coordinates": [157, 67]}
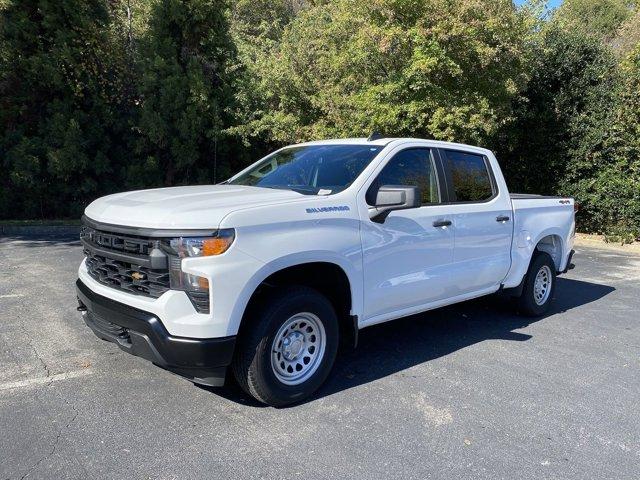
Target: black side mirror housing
{"type": "Point", "coordinates": [394, 197]}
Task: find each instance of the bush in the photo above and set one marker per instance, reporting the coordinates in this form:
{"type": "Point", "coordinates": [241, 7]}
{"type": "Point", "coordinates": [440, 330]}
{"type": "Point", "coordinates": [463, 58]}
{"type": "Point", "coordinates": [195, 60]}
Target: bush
{"type": "Point", "coordinates": [101, 96]}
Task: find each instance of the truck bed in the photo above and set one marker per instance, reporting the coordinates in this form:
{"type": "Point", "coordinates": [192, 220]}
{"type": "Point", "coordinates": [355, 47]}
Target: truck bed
{"type": "Point", "coordinates": [546, 219]}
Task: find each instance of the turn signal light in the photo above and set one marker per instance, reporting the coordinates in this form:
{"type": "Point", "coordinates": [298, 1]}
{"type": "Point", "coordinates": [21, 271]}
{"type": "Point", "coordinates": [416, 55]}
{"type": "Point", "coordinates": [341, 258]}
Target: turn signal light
{"type": "Point", "coordinates": [216, 245]}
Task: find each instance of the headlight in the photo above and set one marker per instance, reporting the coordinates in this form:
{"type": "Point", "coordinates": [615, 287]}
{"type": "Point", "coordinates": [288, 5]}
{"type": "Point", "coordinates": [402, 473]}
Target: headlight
{"type": "Point", "coordinates": [196, 287]}
{"type": "Point", "coordinates": [203, 246]}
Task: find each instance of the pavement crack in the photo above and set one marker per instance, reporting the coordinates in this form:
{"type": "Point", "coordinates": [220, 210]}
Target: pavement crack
{"type": "Point", "coordinates": [42, 362]}
{"type": "Point", "coordinates": [29, 342]}
{"type": "Point", "coordinates": [55, 443]}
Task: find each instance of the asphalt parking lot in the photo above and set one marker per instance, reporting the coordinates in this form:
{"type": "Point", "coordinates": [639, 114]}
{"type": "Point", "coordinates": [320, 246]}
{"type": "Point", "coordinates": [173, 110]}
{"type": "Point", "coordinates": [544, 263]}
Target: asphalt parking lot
{"type": "Point", "coordinates": [470, 391]}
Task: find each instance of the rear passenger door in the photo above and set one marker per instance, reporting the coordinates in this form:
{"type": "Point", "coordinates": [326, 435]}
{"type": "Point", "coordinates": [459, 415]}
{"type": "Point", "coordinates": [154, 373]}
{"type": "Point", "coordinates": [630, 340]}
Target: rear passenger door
{"type": "Point", "coordinates": [483, 221]}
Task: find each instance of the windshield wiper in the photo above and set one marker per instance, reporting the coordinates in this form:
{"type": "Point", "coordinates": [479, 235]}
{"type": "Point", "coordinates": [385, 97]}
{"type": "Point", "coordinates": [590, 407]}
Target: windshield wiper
{"type": "Point", "coordinates": [303, 189]}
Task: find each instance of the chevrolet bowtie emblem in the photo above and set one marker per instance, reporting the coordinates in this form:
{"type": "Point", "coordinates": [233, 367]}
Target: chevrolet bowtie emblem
{"type": "Point", "coordinates": [137, 276]}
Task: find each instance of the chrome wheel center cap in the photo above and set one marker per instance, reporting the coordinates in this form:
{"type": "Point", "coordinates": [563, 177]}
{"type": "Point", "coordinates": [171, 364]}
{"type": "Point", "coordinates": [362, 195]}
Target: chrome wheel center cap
{"type": "Point", "coordinates": [292, 345]}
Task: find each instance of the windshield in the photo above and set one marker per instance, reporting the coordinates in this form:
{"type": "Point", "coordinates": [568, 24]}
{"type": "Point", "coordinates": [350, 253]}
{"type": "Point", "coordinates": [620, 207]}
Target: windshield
{"type": "Point", "coordinates": [312, 169]}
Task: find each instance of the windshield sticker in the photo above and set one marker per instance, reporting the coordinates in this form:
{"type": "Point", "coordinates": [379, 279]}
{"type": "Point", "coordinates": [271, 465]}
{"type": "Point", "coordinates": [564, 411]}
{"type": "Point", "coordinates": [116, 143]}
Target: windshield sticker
{"type": "Point", "coordinates": [342, 208]}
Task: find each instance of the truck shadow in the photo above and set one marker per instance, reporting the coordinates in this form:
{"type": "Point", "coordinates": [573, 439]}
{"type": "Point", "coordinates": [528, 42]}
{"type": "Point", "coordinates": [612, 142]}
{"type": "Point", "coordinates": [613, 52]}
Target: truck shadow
{"type": "Point", "coordinates": [392, 347]}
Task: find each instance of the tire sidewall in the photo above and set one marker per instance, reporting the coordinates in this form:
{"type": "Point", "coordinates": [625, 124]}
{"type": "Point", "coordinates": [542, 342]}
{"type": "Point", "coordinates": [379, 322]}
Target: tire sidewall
{"type": "Point", "coordinates": [541, 259]}
{"type": "Point", "coordinates": [308, 301]}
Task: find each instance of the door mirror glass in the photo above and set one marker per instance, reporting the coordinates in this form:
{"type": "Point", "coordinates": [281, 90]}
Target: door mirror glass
{"type": "Point", "coordinates": [394, 197]}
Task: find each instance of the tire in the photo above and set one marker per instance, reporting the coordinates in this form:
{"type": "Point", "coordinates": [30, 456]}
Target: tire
{"type": "Point", "coordinates": [535, 301]}
{"type": "Point", "coordinates": [288, 369]}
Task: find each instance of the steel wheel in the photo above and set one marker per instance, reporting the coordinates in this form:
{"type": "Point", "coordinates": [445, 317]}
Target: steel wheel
{"type": "Point", "coordinates": [542, 285]}
{"type": "Point", "coordinates": [298, 348]}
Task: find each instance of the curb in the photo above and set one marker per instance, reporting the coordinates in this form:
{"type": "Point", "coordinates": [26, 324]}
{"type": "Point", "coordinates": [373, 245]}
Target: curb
{"type": "Point", "coordinates": [53, 230]}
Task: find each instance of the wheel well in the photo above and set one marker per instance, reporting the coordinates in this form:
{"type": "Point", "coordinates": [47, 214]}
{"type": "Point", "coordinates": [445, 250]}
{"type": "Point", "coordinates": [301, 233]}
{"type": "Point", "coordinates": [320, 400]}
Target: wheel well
{"type": "Point", "coordinates": [552, 244]}
{"type": "Point", "coordinates": [328, 279]}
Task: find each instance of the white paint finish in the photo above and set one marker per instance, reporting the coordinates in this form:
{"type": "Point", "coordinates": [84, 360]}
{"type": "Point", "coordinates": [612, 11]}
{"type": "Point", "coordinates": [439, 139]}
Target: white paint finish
{"type": "Point", "coordinates": [536, 219]}
{"type": "Point", "coordinates": [271, 245]}
{"type": "Point", "coordinates": [482, 244]}
{"type": "Point", "coordinates": [423, 308]}
{"type": "Point", "coordinates": [173, 308]}
{"type": "Point", "coordinates": [406, 260]}
{"type": "Point", "coordinates": [182, 207]}
{"type": "Point", "coordinates": [402, 267]}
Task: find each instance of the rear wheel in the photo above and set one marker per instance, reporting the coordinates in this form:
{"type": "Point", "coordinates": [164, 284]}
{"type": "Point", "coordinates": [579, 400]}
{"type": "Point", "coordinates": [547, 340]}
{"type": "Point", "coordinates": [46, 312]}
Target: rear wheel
{"type": "Point", "coordinates": [539, 286]}
{"type": "Point", "coordinates": [288, 347]}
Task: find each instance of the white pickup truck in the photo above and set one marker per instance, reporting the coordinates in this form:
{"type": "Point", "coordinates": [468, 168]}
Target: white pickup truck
{"type": "Point", "coordinates": [265, 273]}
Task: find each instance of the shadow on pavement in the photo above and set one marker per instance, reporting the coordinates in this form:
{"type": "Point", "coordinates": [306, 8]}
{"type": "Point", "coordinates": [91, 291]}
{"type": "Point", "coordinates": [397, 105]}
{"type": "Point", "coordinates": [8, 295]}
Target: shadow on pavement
{"type": "Point", "coordinates": [43, 240]}
{"type": "Point", "coordinates": [391, 347]}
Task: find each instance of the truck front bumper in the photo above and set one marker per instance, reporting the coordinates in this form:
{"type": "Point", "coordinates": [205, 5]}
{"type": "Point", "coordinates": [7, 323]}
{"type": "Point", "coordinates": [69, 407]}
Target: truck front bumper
{"type": "Point", "coordinates": [201, 360]}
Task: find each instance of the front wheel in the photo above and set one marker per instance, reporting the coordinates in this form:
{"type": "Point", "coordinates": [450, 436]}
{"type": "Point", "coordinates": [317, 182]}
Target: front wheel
{"type": "Point", "coordinates": [288, 346]}
{"type": "Point", "coordinates": [539, 286]}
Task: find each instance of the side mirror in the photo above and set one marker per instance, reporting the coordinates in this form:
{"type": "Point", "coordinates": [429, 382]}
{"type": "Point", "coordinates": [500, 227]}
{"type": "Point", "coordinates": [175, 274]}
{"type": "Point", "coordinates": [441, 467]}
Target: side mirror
{"type": "Point", "coordinates": [394, 197]}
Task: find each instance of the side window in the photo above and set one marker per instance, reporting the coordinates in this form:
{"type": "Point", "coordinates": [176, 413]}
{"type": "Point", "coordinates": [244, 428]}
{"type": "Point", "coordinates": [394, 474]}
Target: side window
{"type": "Point", "coordinates": [470, 176]}
{"type": "Point", "coordinates": [411, 167]}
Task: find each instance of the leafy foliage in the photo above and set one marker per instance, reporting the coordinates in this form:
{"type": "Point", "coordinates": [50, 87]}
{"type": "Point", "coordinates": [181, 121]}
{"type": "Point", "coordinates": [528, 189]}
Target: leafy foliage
{"type": "Point", "coordinates": [184, 87]}
{"type": "Point", "coordinates": [422, 68]}
{"type": "Point", "coordinates": [612, 196]}
{"type": "Point", "coordinates": [98, 96]}
{"type": "Point", "coordinates": [628, 35]}
{"type": "Point", "coordinates": [597, 18]}
{"type": "Point", "coordinates": [561, 117]}
{"type": "Point", "coordinates": [59, 98]}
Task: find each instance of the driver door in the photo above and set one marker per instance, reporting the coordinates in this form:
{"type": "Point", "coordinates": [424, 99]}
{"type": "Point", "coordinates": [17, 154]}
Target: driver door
{"type": "Point", "coordinates": [406, 258]}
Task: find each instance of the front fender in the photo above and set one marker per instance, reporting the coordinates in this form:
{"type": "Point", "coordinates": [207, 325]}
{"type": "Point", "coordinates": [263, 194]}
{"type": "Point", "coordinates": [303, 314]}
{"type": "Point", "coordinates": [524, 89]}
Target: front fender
{"type": "Point", "coordinates": [292, 260]}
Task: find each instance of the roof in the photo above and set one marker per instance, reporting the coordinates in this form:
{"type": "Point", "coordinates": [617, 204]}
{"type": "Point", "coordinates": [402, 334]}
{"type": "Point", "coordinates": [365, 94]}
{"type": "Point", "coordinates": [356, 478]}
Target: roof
{"type": "Point", "coordinates": [350, 141]}
{"type": "Point", "coordinates": [386, 141]}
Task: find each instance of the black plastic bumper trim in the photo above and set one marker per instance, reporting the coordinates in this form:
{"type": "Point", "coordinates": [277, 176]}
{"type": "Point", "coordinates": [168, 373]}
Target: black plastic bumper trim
{"type": "Point", "coordinates": [202, 360]}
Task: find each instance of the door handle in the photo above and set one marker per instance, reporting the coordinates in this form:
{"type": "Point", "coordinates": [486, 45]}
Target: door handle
{"type": "Point", "coordinates": [442, 223]}
{"type": "Point", "coordinates": [502, 218]}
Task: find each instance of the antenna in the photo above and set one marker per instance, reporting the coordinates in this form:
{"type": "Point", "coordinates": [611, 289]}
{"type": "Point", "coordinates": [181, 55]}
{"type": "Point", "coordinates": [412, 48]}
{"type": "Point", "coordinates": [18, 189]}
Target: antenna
{"type": "Point", "coordinates": [375, 136]}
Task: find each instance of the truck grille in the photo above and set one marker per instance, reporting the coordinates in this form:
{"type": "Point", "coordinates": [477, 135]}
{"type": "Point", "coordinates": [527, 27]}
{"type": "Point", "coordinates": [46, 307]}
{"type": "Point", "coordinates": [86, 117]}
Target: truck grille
{"type": "Point", "coordinates": [125, 262]}
{"type": "Point", "coordinates": [117, 242]}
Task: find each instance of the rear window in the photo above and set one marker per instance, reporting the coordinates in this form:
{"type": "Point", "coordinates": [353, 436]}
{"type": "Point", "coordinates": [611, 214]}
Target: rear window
{"type": "Point", "coordinates": [470, 176]}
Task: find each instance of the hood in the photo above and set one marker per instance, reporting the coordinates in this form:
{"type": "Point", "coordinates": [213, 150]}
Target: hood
{"type": "Point", "coordinates": [183, 207]}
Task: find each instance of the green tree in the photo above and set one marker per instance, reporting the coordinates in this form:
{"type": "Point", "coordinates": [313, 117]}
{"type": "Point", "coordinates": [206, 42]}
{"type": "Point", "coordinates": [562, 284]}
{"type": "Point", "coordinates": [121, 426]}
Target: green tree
{"type": "Point", "coordinates": [58, 106]}
{"type": "Point", "coordinates": [611, 196]}
{"type": "Point", "coordinates": [628, 35]}
{"type": "Point", "coordinates": [257, 27]}
{"type": "Point", "coordinates": [422, 67]}
{"type": "Point", "coordinates": [558, 143]}
{"type": "Point", "coordinates": [256, 20]}
{"type": "Point", "coordinates": [597, 18]}
{"type": "Point", "coordinates": [186, 90]}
